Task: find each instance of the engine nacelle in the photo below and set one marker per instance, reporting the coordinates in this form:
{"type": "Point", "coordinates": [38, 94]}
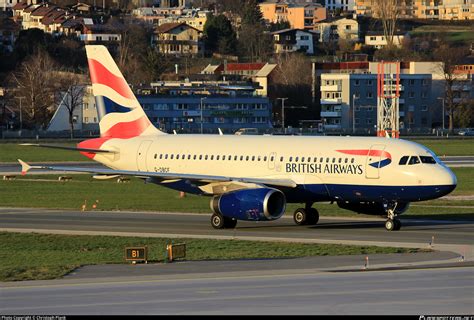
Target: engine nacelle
{"type": "Point", "coordinates": [251, 204]}
{"type": "Point", "coordinates": [375, 208]}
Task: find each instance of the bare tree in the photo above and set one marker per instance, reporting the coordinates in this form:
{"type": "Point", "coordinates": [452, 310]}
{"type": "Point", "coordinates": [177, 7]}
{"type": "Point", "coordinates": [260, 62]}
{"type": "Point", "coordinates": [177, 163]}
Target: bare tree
{"type": "Point", "coordinates": [449, 58]}
{"type": "Point", "coordinates": [72, 88]}
{"type": "Point", "coordinates": [388, 11]}
{"type": "Point", "coordinates": [35, 82]}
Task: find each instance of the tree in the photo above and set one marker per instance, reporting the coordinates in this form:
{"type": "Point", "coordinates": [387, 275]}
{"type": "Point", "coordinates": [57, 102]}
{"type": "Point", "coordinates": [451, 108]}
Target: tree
{"type": "Point", "coordinates": [254, 42]}
{"type": "Point", "coordinates": [388, 11]}
{"type": "Point", "coordinates": [449, 57]}
{"type": "Point", "coordinates": [72, 88]}
{"type": "Point", "coordinates": [157, 63]}
{"type": "Point", "coordinates": [35, 80]}
{"type": "Point", "coordinates": [219, 36]}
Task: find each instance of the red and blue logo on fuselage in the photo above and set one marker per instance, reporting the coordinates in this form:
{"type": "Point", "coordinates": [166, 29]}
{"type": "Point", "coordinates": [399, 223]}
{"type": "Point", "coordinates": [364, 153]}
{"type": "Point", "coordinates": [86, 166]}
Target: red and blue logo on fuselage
{"type": "Point", "coordinates": [386, 158]}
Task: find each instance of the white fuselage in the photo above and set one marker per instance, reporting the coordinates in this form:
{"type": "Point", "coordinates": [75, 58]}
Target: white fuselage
{"type": "Point", "coordinates": [308, 161]}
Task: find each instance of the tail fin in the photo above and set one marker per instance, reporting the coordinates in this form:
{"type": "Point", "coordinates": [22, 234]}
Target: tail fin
{"type": "Point", "coordinates": [120, 113]}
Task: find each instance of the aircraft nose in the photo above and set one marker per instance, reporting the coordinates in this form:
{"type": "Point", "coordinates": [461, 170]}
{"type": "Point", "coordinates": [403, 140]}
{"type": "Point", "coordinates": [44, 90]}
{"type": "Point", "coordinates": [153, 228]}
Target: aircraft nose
{"type": "Point", "coordinates": [446, 181]}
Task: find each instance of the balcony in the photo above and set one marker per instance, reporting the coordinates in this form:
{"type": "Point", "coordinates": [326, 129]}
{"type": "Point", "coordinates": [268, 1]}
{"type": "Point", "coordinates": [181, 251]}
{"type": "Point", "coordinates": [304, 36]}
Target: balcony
{"type": "Point", "coordinates": [331, 101]}
{"type": "Point", "coordinates": [330, 114]}
{"type": "Point", "coordinates": [335, 87]}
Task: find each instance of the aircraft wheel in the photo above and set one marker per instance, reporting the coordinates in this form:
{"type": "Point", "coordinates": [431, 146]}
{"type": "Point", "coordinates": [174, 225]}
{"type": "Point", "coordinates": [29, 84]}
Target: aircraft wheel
{"type": "Point", "coordinates": [313, 216]}
{"type": "Point", "coordinates": [229, 223]}
{"type": "Point", "coordinates": [217, 221]}
{"type": "Point", "coordinates": [398, 224]}
{"type": "Point", "coordinates": [390, 225]}
{"type": "Point", "coordinates": [300, 216]}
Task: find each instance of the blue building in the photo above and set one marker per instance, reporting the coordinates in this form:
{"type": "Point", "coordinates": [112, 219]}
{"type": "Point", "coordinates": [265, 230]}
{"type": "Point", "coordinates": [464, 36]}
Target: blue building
{"type": "Point", "coordinates": [228, 112]}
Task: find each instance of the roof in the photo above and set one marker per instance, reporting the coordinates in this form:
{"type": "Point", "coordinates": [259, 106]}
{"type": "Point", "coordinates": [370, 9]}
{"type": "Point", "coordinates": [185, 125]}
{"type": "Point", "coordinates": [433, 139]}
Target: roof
{"type": "Point", "coordinates": [42, 11]}
{"type": "Point", "coordinates": [266, 70]}
{"type": "Point", "coordinates": [288, 30]}
{"type": "Point", "coordinates": [53, 16]}
{"type": "Point", "coordinates": [167, 27]}
{"type": "Point", "coordinates": [244, 66]}
{"type": "Point", "coordinates": [21, 6]}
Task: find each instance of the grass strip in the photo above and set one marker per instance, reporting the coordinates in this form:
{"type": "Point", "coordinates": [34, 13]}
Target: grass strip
{"type": "Point", "coordinates": [31, 256]}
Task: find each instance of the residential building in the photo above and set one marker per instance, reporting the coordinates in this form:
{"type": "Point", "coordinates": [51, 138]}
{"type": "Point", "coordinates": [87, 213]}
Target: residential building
{"type": "Point", "coordinates": [292, 40]}
{"type": "Point", "coordinates": [229, 113]}
{"type": "Point", "coordinates": [299, 14]}
{"type": "Point", "coordinates": [349, 95]}
{"type": "Point", "coordinates": [424, 9]}
{"type": "Point", "coordinates": [377, 39]}
{"type": "Point", "coordinates": [178, 39]}
{"type": "Point", "coordinates": [7, 4]}
{"type": "Point", "coordinates": [335, 29]}
{"type": "Point", "coordinates": [340, 5]}
{"type": "Point", "coordinates": [182, 109]}
{"type": "Point", "coordinates": [91, 34]}
{"type": "Point", "coordinates": [306, 16]}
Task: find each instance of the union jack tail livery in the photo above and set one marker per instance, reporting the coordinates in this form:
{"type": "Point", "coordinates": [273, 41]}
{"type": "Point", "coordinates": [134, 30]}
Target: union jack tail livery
{"type": "Point", "coordinates": [120, 113]}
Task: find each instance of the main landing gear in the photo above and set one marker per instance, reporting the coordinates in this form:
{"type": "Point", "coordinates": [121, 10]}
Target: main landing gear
{"type": "Point", "coordinates": [306, 216]}
{"type": "Point", "coordinates": [392, 223]}
{"type": "Point", "coordinates": [218, 221]}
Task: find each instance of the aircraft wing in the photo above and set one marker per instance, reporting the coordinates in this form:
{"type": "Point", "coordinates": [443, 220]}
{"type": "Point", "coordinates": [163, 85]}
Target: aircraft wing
{"type": "Point", "coordinates": [163, 176]}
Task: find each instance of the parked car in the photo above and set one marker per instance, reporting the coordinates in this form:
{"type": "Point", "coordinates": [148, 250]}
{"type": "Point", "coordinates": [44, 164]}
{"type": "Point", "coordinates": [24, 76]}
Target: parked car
{"type": "Point", "coordinates": [244, 131]}
{"type": "Point", "coordinates": [466, 132]}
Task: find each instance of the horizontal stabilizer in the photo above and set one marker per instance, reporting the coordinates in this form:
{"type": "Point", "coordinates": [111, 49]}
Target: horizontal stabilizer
{"type": "Point", "coordinates": [68, 148]}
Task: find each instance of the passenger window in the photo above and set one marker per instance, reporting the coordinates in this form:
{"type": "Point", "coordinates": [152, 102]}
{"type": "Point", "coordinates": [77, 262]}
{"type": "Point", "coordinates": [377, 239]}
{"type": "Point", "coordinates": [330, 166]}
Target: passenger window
{"type": "Point", "coordinates": [352, 160]}
{"type": "Point", "coordinates": [177, 156]}
{"type": "Point", "coordinates": [302, 159]}
{"type": "Point", "coordinates": [346, 160]}
{"type": "Point", "coordinates": [321, 159]}
{"type": "Point", "coordinates": [426, 159]}
{"type": "Point", "coordinates": [315, 159]}
{"type": "Point", "coordinates": [241, 158]}
{"type": "Point", "coordinates": [205, 157]}
{"type": "Point", "coordinates": [166, 156]}
{"type": "Point", "coordinates": [291, 159]}
{"type": "Point", "coordinates": [414, 160]}
{"type": "Point", "coordinates": [172, 156]}
{"type": "Point", "coordinates": [281, 159]}
{"type": "Point", "coordinates": [296, 159]}
{"type": "Point", "coordinates": [271, 158]}
{"type": "Point", "coordinates": [189, 157]}
{"type": "Point", "coordinates": [247, 158]}
{"type": "Point", "coordinates": [403, 160]}
{"type": "Point", "coordinates": [333, 160]}
{"type": "Point", "coordinates": [265, 158]}
{"type": "Point", "coordinates": [155, 155]}
{"type": "Point", "coordinates": [327, 160]}
{"type": "Point", "coordinates": [259, 158]}
{"type": "Point", "coordinates": [235, 158]}
{"type": "Point", "coordinates": [161, 156]}
{"type": "Point", "coordinates": [340, 160]}
{"type": "Point", "coordinates": [194, 157]}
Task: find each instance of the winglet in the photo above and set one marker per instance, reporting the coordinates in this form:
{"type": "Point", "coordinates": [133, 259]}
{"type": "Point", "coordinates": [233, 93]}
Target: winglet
{"type": "Point", "coordinates": [25, 167]}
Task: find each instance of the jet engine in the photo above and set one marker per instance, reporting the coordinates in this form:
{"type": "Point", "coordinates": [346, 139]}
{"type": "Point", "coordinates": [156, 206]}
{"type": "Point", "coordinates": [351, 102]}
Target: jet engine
{"type": "Point", "coordinates": [250, 204]}
{"type": "Point", "coordinates": [374, 208]}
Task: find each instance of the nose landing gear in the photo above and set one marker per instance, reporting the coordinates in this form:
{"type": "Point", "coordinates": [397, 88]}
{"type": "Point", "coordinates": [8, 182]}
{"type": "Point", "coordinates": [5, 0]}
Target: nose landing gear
{"type": "Point", "coordinates": [392, 223]}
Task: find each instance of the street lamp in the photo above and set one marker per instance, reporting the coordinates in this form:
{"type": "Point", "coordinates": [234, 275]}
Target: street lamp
{"type": "Point", "coordinates": [442, 102]}
{"type": "Point", "coordinates": [354, 97]}
{"type": "Point", "coordinates": [201, 111]}
{"type": "Point", "coordinates": [21, 116]}
{"type": "Point", "coordinates": [282, 112]}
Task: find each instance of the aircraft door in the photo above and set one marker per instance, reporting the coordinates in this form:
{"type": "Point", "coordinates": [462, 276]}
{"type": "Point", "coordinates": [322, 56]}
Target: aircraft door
{"type": "Point", "coordinates": [142, 155]}
{"type": "Point", "coordinates": [271, 160]}
{"type": "Point", "coordinates": [372, 164]}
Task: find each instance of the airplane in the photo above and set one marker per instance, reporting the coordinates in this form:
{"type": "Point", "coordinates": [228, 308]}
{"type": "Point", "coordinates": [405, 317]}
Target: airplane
{"type": "Point", "coordinates": [252, 177]}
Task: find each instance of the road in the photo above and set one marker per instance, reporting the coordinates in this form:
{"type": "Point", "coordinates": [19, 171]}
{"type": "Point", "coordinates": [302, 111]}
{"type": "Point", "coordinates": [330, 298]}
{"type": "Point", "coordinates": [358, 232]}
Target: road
{"type": "Point", "coordinates": [425, 291]}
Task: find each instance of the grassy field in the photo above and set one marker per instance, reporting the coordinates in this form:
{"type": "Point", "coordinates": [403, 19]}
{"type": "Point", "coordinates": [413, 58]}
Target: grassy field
{"type": "Point", "coordinates": [449, 147]}
{"type": "Point", "coordinates": [42, 256]}
{"type": "Point", "coordinates": [44, 191]}
{"type": "Point", "coordinates": [10, 152]}
{"type": "Point", "coordinates": [453, 34]}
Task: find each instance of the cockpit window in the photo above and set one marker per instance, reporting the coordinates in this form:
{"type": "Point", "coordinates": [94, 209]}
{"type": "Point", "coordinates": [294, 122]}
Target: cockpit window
{"type": "Point", "coordinates": [403, 160]}
{"type": "Point", "coordinates": [414, 160]}
{"type": "Point", "coordinates": [426, 159]}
